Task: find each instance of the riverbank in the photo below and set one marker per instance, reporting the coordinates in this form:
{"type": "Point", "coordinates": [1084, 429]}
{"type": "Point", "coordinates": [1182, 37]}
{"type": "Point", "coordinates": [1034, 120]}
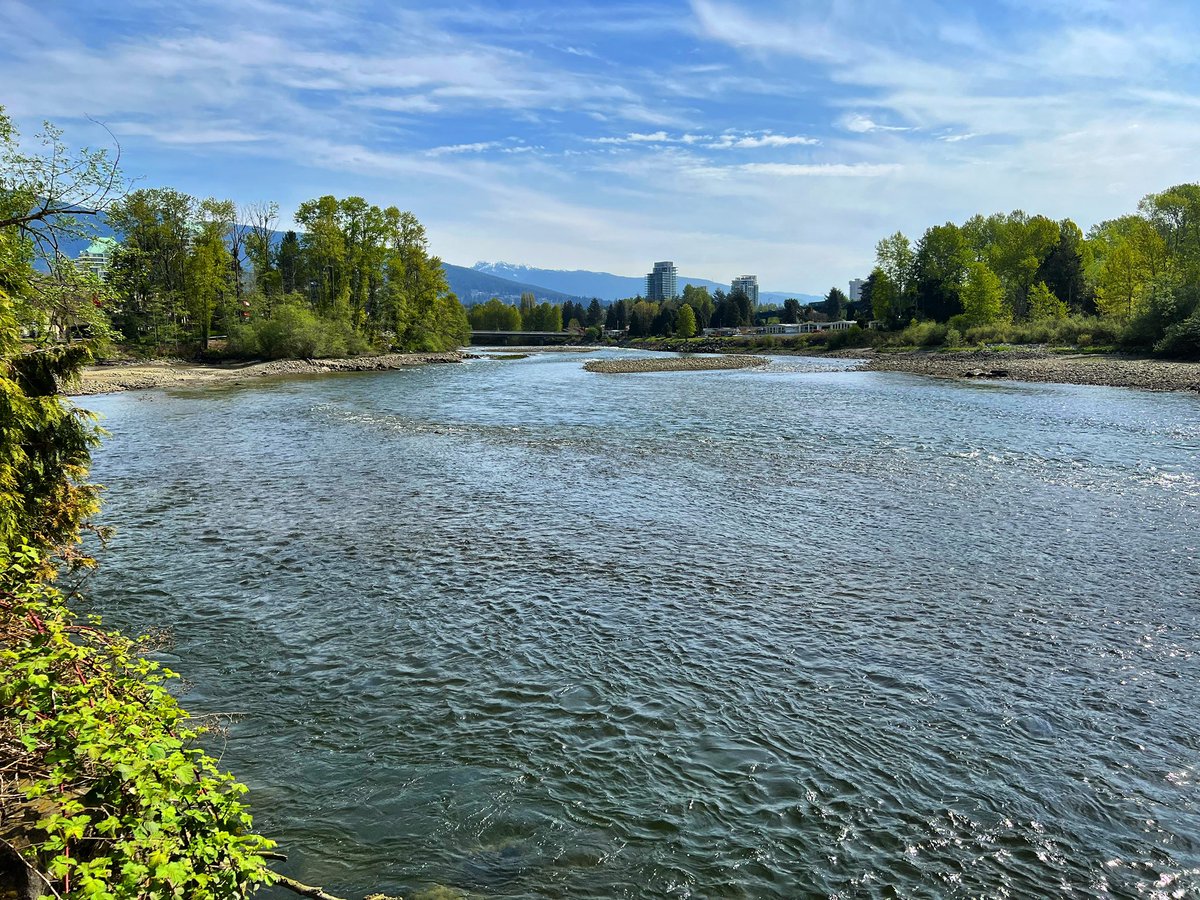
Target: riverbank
{"type": "Point", "coordinates": [1018, 363]}
{"type": "Point", "coordinates": [1041, 365]}
{"type": "Point", "coordinates": [106, 379]}
{"type": "Point", "coordinates": [673, 364]}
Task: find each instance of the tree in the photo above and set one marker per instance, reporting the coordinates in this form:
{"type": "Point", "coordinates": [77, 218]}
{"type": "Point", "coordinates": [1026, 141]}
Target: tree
{"type": "Point", "coordinates": [885, 299]}
{"type": "Point", "coordinates": [866, 306]}
{"type": "Point", "coordinates": [46, 196]}
{"type": "Point", "coordinates": [1020, 244]}
{"type": "Point", "coordinates": [149, 270]}
{"type": "Point", "coordinates": [894, 257]}
{"type": "Point", "coordinates": [1043, 304]}
{"type": "Point", "coordinates": [595, 313]}
{"type": "Point", "coordinates": [1064, 269]}
{"type": "Point", "coordinates": [423, 312]}
{"type": "Point", "coordinates": [939, 267]}
{"type": "Point", "coordinates": [260, 250]}
{"type": "Point", "coordinates": [834, 306]}
{"type": "Point", "coordinates": [291, 273]}
{"type": "Point", "coordinates": [495, 315]}
{"type": "Point", "coordinates": [528, 306]}
{"type": "Point", "coordinates": [324, 247]}
{"type": "Point", "coordinates": [686, 325]}
{"type": "Point", "coordinates": [1175, 214]}
{"type": "Point", "coordinates": [791, 311]}
{"type": "Point", "coordinates": [1131, 258]}
{"type": "Point", "coordinates": [44, 444]}
{"type": "Point", "coordinates": [982, 296]}
{"type": "Point", "coordinates": [666, 320]}
{"type": "Point", "coordinates": [641, 318]}
{"type": "Point", "coordinates": [696, 296]}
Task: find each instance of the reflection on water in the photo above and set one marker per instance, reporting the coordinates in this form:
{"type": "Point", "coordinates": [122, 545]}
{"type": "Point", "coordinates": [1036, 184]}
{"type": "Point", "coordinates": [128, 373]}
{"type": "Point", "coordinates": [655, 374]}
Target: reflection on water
{"type": "Point", "coordinates": [527, 631]}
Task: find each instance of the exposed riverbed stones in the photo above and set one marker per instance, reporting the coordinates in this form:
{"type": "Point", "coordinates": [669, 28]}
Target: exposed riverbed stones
{"type": "Point", "coordinates": [1040, 365]}
{"type": "Point", "coordinates": [673, 364]}
{"type": "Point", "coordinates": [177, 373]}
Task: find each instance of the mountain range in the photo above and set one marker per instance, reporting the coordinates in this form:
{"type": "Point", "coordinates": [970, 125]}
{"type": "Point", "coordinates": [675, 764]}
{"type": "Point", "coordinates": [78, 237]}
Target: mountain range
{"type": "Point", "coordinates": [509, 281]}
{"type": "Point", "coordinates": [606, 286]}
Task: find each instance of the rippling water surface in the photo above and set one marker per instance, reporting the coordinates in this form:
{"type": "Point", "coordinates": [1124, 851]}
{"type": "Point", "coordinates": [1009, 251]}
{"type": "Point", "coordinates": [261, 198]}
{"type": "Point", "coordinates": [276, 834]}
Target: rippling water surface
{"type": "Point", "coordinates": [526, 631]}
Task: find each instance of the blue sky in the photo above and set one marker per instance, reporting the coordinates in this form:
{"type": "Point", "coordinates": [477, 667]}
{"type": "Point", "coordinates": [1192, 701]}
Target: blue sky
{"type": "Point", "coordinates": [780, 138]}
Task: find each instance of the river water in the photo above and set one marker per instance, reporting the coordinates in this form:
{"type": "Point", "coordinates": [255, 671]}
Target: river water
{"type": "Point", "coordinates": [519, 630]}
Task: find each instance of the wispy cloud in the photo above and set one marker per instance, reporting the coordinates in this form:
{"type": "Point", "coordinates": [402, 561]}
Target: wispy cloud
{"type": "Point", "coordinates": [860, 124]}
{"type": "Point", "coordinates": [800, 170]}
{"type": "Point", "coordinates": [740, 121]}
{"type": "Point", "coordinates": [734, 141]}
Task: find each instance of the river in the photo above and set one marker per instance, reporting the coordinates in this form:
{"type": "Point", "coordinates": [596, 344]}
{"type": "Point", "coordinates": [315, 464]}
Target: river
{"type": "Point", "coordinates": [525, 631]}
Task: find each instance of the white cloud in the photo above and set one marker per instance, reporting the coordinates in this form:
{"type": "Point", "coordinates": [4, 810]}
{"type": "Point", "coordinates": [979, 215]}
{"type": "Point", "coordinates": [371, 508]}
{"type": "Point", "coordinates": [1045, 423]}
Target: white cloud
{"type": "Point", "coordinates": [477, 147]}
{"type": "Point", "coordinates": [763, 139]}
{"type": "Point", "coordinates": [821, 170]}
{"type": "Point", "coordinates": [861, 124]}
{"type": "Point", "coordinates": [730, 140]}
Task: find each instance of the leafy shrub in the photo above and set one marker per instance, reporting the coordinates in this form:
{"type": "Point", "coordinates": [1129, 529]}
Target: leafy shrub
{"type": "Point", "coordinates": [854, 336]}
{"type": "Point", "coordinates": [920, 334]}
{"type": "Point", "coordinates": [120, 802]}
{"type": "Point", "coordinates": [296, 332]}
{"type": "Point", "coordinates": [1181, 340]}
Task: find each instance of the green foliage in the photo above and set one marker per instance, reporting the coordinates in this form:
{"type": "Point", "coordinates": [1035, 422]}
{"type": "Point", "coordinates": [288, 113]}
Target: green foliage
{"type": "Point", "coordinates": [1157, 311]}
{"type": "Point", "coordinates": [296, 332]}
{"type": "Point", "coordinates": [1082, 331]}
{"type": "Point", "coordinates": [495, 315]}
{"type": "Point", "coordinates": [920, 334]}
{"type": "Point", "coordinates": [834, 306]}
{"type": "Point", "coordinates": [1131, 257]}
{"type": "Point", "coordinates": [112, 799]}
{"type": "Point", "coordinates": [702, 305]}
{"type": "Point", "coordinates": [982, 296]}
{"type": "Point", "coordinates": [686, 325]}
{"type": "Point", "coordinates": [854, 336]}
{"type": "Point", "coordinates": [1181, 340]}
{"type": "Point", "coordinates": [540, 316]}
{"type": "Point", "coordinates": [44, 445]}
{"type": "Point", "coordinates": [1044, 305]}
{"type": "Point", "coordinates": [886, 303]}
{"type": "Point", "coordinates": [363, 272]}
{"type": "Point", "coordinates": [124, 805]}
{"type": "Point", "coordinates": [1018, 245]}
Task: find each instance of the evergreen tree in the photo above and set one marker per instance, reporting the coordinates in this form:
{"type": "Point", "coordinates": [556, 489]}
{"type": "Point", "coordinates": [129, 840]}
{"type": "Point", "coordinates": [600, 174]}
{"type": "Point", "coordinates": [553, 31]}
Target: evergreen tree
{"type": "Point", "coordinates": [834, 306]}
{"type": "Point", "coordinates": [595, 313]}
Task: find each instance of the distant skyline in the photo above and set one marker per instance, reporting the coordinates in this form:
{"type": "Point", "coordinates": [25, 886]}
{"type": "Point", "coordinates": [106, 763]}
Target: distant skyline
{"type": "Point", "coordinates": [778, 138]}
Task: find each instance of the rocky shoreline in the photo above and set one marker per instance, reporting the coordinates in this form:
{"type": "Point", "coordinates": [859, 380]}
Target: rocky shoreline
{"type": "Point", "coordinates": [1022, 363]}
{"type": "Point", "coordinates": [673, 364]}
{"type": "Point", "coordinates": [1034, 364]}
{"type": "Point", "coordinates": [106, 379]}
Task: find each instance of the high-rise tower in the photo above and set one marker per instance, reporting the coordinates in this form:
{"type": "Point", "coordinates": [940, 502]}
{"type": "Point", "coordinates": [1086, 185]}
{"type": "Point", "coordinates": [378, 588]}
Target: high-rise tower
{"type": "Point", "coordinates": [663, 282]}
{"type": "Point", "coordinates": [746, 284]}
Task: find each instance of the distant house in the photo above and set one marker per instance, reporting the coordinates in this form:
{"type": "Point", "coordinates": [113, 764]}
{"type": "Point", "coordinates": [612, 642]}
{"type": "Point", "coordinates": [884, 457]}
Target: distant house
{"type": "Point", "coordinates": [806, 327]}
{"type": "Point", "coordinates": [784, 328]}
